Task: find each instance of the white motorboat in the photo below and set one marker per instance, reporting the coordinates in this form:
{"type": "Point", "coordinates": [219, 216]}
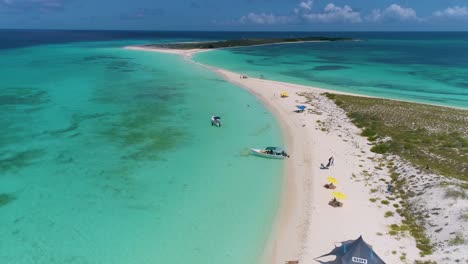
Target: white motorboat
{"type": "Point", "coordinates": [270, 152]}
{"type": "Point", "coordinates": [216, 121]}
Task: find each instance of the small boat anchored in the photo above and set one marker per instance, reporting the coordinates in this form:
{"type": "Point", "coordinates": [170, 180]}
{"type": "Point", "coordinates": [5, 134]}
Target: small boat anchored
{"type": "Point", "coordinates": [216, 121]}
{"type": "Point", "coordinates": [270, 152]}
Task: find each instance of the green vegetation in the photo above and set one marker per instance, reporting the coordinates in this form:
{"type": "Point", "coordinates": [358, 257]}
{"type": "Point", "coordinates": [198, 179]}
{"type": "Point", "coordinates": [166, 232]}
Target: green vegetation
{"type": "Point", "coordinates": [240, 42]}
{"type": "Point", "coordinates": [457, 240]}
{"type": "Point", "coordinates": [380, 148]}
{"type": "Point", "coordinates": [431, 137]}
{"type": "Point", "coordinates": [424, 262]}
{"type": "Point", "coordinates": [464, 217]}
{"type": "Point", "coordinates": [385, 202]}
{"type": "Point", "coordinates": [454, 193]}
{"type": "Point", "coordinates": [412, 222]}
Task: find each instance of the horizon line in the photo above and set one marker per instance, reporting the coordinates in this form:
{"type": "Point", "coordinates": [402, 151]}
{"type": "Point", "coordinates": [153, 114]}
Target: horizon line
{"type": "Point", "coordinates": [182, 30]}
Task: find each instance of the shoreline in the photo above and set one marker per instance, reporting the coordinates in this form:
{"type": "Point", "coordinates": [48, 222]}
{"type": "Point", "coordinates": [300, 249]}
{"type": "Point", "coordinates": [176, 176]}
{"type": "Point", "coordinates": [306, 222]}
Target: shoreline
{"type": "Point", "coordinates": [285, 239]}
{"type": "Point", "coordinates": [305, 226]}
{"type": "Point", "coordinates": [289, 226]}
{"type": "Point", "coordinates": [188, 54]}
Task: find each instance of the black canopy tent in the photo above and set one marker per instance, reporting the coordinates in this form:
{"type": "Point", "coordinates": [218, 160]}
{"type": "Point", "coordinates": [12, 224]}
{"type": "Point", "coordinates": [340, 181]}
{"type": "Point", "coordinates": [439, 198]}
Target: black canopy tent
{"type": "Point", "coordinates": [352, 252]}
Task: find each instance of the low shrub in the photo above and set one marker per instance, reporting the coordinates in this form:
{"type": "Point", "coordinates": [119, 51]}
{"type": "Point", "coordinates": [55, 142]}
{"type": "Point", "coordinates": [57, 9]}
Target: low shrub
{"type": "Point", "coordinates": [381, 148]}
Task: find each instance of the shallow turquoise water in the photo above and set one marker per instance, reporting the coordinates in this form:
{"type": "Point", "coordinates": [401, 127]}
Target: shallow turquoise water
{"type": "Point", "coordinates": [108, 156]}
{"type": "Point", "coordinates": [429, 70]}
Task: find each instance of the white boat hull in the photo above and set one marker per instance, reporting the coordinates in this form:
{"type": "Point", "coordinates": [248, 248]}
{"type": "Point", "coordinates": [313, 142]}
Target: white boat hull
{"type": "Point", "coordinates": [261, 153]}
{"type": "Point", "coordinates": [215, 122]}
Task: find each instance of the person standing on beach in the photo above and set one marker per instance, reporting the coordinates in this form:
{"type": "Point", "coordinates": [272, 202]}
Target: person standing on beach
{"type": "Point", "coordinates": [331, 161]}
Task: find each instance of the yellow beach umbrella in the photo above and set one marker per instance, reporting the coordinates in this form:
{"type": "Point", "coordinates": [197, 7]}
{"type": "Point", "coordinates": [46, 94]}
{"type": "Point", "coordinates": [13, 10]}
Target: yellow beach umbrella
{"type": "Point", "coordinates": [284, 94]}
{"type": "Point", "coordinates": [339, 195]}
{"type": "Point", "coordinates": [332, 180]}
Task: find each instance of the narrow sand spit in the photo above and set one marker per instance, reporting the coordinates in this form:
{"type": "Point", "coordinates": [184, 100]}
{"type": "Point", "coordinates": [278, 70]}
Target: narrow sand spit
{"type": "Point", "coordinates": [306, 226]}
{"type": "Point", "coordinates": [185, 53]}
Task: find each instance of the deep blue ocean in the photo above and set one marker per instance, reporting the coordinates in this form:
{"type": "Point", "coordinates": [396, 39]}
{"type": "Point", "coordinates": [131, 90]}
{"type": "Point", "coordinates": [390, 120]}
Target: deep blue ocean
{"type": "Point", "coordinates": [20, 38]}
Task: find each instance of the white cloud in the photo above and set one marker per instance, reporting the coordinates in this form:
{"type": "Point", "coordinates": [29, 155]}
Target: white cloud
{"type": "Point", "coordinates": [306, 5]}
{"type": "Point", "coordinates": [33, 4]}
{"type": "Point", "coordinates": [303, 12]}
{"type": "Point", "coordinates": [453, 12]}
{"type": "Point", "coordinates": [265, 19]}
{"type": "Point", "coordinates": [333, 13]}
{"type": "Point", "coordinates": [393, 12]}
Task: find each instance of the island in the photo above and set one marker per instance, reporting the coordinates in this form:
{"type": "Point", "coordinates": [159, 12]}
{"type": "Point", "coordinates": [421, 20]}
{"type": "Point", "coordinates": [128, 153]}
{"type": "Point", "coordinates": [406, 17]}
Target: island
{"type": "Point", "coordinates": [239, 43]}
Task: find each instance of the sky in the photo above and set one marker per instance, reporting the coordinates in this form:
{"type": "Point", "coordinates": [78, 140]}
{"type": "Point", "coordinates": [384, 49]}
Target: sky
{"type": "Point", "coordinates": [240, 15]}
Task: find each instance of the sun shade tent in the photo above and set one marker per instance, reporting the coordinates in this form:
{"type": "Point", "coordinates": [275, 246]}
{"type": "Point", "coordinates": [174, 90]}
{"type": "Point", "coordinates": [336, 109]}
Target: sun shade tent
{"type": "Point", "coordinates": [284, 94]}
{"type": "Point", "coordinates": [352, 252]}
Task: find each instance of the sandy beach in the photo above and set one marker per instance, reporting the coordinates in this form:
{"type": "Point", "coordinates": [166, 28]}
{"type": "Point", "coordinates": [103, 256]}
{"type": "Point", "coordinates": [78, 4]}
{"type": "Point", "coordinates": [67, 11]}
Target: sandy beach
{"type": "Point", "coordinates": [306, 225]}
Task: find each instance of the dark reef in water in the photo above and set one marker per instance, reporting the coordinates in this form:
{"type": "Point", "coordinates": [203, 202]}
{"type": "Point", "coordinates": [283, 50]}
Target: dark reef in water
{"type": "Point", "coordinates": [104, 57]}
{"type": "Point", "coordinates": [142, 131]}
{"type": "Point", "coordinates": [6, 199]}
{"type": "Point", "coordinates": [75, 122]}
{"type": "Point", "coordinates": [20, 159]}
{"type": "Point", "coordinates": [22, 96]}
{"type": "Point", "coordinates": [240, 42]}
{"type": "Point", "coordinates": [330, 68]}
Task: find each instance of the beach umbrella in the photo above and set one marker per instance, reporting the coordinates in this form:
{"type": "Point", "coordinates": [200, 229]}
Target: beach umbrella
{"type": "Point", "coordinates": [339, 195]}
{"type": "Point", "coordinates": [332, 180]}
{"type": "Point", "coordinates": [301, 107]}
{"type": "Point", "coordinates": [284, 94]}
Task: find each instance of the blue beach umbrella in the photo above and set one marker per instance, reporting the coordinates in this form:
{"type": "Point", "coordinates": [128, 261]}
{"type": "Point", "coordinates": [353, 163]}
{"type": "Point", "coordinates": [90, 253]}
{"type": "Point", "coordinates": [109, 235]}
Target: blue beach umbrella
{"type": "Point", "coordinates": [301, 107]}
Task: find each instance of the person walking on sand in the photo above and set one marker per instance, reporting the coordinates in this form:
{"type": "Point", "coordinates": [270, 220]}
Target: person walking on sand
{"type": "Point", "coordinates": [331, 161]}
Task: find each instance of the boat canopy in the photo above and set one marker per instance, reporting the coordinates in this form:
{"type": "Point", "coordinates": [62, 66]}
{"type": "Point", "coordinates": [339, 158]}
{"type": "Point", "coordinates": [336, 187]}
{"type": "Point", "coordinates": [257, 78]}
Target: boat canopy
{"type": "Point", "coordinates": [275, 149]}
{"type": "Point", "coordinates": [216, 117]}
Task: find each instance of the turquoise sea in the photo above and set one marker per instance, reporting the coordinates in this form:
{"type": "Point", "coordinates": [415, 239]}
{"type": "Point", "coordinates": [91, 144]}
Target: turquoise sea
{"type": "Point", "coordinates": [108, 156]}
{"type": "Point", "coordinates": [425, 67]}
